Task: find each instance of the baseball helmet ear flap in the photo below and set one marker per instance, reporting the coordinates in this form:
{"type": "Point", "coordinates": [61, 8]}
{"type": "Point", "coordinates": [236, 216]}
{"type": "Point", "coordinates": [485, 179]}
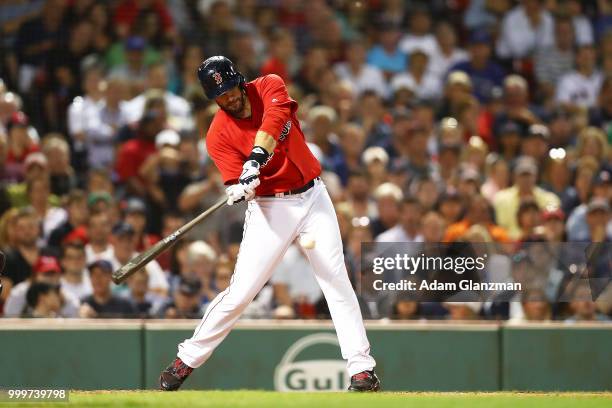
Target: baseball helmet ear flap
{"type": "Point", "coordinates": [218, 75]}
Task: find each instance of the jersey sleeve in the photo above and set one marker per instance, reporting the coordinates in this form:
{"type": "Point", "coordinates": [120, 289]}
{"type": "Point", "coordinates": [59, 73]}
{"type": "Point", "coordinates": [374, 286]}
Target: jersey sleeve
{"type": "Point", "coordinates": [227, 159]}
{"type": "Point", "coordinates": [278, 106]}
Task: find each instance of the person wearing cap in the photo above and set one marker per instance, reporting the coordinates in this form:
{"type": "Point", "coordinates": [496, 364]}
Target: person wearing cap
{"type": "Point", "coordinates": [553, 221]}
{"type": "Point", "coordinates": [321, 121]}
{"type": "Point", "coordinates": [484, 73]}
{"type": "Point", "coordinates": [536, 143]}
{"type": "Point", "coordinates": [457, 87]}
{"type": "Point", "coordinates": [507, 201]}
{"type": "Point", "coordinates": [129, 61]}
{"type": "Point", "coordinates": [577, 226]}
{"type": "Point", "coordinates": [185, 302]}
{"type": "Point", "coordinates": [509, 138]}
{"type": "Point", "coordinates": [516, 105]}
{"type": "Point", "coordinates": [123, 243]}
{"type": "Point", "coordinates": [135, 214]}
{"type": "Point", "coordinates": [425, 85]}
{"type": "Point", "coordinates": [47, 271]}
{"type": "Point", "coordinates": [376, 160]}
{"type": "Point", "coordinates": [598, 219]}
{"type": "Point", "coordinates": [102, 303]}
{"type": "Point", "coordinates": [388, 202]}
{"type": "Point", "coordinates": [36, 166]}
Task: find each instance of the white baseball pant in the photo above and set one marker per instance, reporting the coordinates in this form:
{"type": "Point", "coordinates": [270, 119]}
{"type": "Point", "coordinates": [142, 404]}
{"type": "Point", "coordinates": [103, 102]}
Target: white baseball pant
{"type": "Point", "coordinates": [271, 225]}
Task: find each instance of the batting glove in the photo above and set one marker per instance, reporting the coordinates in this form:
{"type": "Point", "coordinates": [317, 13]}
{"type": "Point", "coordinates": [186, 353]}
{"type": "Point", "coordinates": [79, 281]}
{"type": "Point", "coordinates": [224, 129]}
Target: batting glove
{"type": "Point", "coordinates": [250, 174]}
{"type": "Point", "coordinates": [239, 192]}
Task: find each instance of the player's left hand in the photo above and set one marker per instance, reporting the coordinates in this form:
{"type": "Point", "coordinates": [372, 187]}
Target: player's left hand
{"type": "Point", "coordinates": [250, 174]}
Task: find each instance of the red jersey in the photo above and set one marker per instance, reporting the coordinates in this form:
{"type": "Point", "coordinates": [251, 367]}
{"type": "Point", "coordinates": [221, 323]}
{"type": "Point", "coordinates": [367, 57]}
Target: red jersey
{"type": "Point", "coordinates": [132, 154]}
{"type": "Point", "coordinates": [230, 140]}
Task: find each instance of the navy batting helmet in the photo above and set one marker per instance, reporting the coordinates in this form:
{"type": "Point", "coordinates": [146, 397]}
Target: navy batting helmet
{"type": "Point", "coordinates": [218, 75]}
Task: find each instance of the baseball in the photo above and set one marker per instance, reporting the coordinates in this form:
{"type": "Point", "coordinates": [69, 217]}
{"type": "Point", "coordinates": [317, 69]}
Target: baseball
{"type": "Point", "coordinates": [307, 241]}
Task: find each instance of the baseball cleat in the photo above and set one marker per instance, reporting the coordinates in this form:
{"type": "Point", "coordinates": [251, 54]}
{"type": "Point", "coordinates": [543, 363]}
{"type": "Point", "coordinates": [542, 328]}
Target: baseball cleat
{"type": "Point", "coordinates": [365, 381]}
{"type": "Point", "coordinates": [173, 376]}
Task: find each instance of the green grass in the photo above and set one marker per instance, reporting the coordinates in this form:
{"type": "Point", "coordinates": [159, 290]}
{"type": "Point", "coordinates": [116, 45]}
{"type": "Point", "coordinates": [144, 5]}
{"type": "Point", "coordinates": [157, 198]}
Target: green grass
{"type": "Point", "coordinates": [254, 399]}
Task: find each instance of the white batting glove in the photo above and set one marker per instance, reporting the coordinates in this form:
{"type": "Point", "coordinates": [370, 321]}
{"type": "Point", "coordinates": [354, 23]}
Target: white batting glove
{"type": "Point", "coordinates": [239, 192]}
{"type": "Point", "coordinates": [250, 174]}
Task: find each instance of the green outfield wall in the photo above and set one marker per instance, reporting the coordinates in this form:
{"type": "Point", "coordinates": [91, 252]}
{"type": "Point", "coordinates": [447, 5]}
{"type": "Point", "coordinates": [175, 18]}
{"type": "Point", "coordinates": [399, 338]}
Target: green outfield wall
{"type": "Point", "coordinates": [297, 356]}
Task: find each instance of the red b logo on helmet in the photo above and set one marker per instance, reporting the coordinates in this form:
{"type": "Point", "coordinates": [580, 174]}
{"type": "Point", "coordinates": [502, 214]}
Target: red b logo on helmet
{"type": "Point", "coordinates": [218, 78]}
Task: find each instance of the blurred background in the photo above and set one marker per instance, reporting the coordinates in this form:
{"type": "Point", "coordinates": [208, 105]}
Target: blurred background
{"type": "Point", "coordinates": [434, 121]}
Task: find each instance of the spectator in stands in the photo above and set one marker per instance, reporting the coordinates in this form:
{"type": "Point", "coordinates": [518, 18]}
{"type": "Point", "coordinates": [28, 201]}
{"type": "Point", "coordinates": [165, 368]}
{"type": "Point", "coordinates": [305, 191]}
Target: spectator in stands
{"type": "Point", "coordinates": [185, 303]}
{"type": "Point", "coordinates": [484, 74]}
{"type": "Point", "coordinates": [580, 88]}
{"type": "Point", "coordinates": [75, 276]}
{"type": "Point", "coordinates": [145, 302]}
{"type": "Point", "coordinates": [39, 192]}
{"type": "Point", "coordinates": [78, 213]}
{"type": "Point", "coordinates": [386, 54]}
{"type": "Point", "coordinates": [99, 230]}
{"type": "Point", "coordinates": [426, 85]}
{"type": "Point", "coordinates": [43, 300]}
{"type": "Point", "coordinates": [47, 271]}
{"type": "Point", "coordinates": [479, 212]}
{"type": "Point", "coordinates": [124, 248]}
{"type": "Point", "coordinates": [446, 53]}
{"type": "Point", "coordinates": [361, 75]}
{"type": "Point", "coordinates": [21, 258]}
{"type": "Point", "coordinates": [536, 307]}
{"type": "Point", "coordinates": [133, 153]}
{"type": "Point", "coordinates": [102, 302]}
{"type": "Point", "coordinates": [462, 310]}
{"type": "Point", "coordinates": [20, 142]}
{"type": "Point", "coordinates": [552, 62]}
{"type": "Point", "coordinates": [61, 173]}
{"type": "Point", "coordinates": [388, 202]}
{"type": "Point", "coordinates": [201, 264]}
{"type": "Point", "coordinates": [419, 34]}
{"type": "Point", "coordinates": [176, 107]}
{"type": "Point", "coordinates": [131, 65]}
{"type": "Point", "coordinates": [295, 285]}
{"type": "Point", "coordinates": [525, 29]}
{"type": "Point", "coordinates": [598, 218]}
{"type": "Point", "coordinates": [135, 214]}
{"type": "Point", "coordinates": [507, 201]}
{"type": "Point", "coordinates": [589, 185]}
{"type": "Point", "coordinates": [583, 307]}
{"type": "Point", "coordinates": [408, 229]}
{"type": "Point", "coordinates": [321, 121]}
{"type": "Point", "coordinates": [282, 54]}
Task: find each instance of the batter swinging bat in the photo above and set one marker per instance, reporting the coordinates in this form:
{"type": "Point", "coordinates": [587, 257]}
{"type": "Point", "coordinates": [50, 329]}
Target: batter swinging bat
{"type": "Point", "coordinates": [144, 258]}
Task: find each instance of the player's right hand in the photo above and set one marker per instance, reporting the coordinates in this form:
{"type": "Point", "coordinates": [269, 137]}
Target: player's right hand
{"type": "Point", "coordinates": [240, 192]}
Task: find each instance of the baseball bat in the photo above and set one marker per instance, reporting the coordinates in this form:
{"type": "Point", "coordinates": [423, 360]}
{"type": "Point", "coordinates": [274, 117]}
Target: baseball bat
{"type": "Point", "coordinates": [144, 258]}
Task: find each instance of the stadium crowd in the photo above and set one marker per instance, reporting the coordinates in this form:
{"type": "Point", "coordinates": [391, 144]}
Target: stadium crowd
{"type": "Point", "coordinates": [434, 121]}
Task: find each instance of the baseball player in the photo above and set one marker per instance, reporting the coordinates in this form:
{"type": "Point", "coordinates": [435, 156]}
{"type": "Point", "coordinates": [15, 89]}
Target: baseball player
{"type": "Point", "coordinates": [256, 142]}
